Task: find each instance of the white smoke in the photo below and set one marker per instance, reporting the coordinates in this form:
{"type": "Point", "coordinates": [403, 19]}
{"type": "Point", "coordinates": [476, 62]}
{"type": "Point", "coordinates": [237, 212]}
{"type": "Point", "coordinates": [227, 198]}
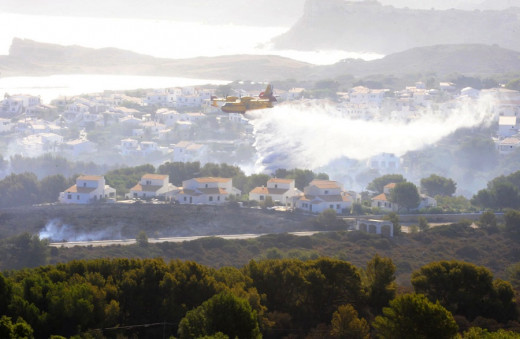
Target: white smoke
{"type": "Point", "coordinates": [55, 230]}
{"type": "Point", "coordinates": [311, 135]}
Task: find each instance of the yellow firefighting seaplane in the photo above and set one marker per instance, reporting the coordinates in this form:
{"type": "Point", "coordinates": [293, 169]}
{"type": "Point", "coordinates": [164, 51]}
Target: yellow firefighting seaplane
{"type": "Point", "coordinates": [233, 104]}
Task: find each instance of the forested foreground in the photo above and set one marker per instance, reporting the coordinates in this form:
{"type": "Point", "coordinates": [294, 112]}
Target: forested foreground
{"type": "Point", "coordinates": [276, 298]}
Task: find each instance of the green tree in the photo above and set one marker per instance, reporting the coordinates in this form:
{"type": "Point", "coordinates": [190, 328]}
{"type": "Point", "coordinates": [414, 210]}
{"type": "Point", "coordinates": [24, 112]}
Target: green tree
{"type": "Point", "coordinates": [356, 209]}
{"type": "Point", "coordinates": [405, 195]}
{"type": "Point", "coordinates": [224, 313]}
{"type": "Point", "coordinates": [423, 223]}
{"type": "Point", "coordinates": [378, 184]}
{"type": "Point", "coordinates": [413, 316]}
{"type": "Point", "coordinates": [346, 324]}
{"type": "Point", "coordinates": [18, 330]}
{"type": "Point", "coordinates": [512, 222]}
{"type": "Point", "coordinates": [488, 222]}
{"type": "Point", "coordinates": [513, 275]}
{"type": "Point", "coordinates": [142, 239]}
{"type": "Point", "coordinates": [394, 219]}
{"type": "Point", "coordinates": [477, 153]}
{"type": "Point", "coordinates": [6, 294]}
{"type": "Point", "coordinates": [437, 185]}
{"type": "Point", "coordinates": [124, 179]}
{"type": "Point", "coordinates": [465, 289]}
{"type": "Point", "coordinates": [19, 190]}
{"type": "Point", "coordinates": [479, 333]}
{"type": "Point", "coordinates": [180, 171]}
{"type": "Point", "coordinates": [380, 282]}
{"type": "Point", "coordinates": [328, 219]}
{"type": "Point", "coordinates": [51, 186]}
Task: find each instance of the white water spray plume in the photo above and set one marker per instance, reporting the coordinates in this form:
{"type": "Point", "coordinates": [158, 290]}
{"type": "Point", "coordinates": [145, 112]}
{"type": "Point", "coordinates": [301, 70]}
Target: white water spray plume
{"type": "Point", "coordinates": [311, 135]}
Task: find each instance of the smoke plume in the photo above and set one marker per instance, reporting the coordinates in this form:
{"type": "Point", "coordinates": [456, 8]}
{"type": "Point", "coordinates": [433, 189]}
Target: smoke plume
{"type": "Point", "coordinates": [55, 230]}
{"type": "Point", "coordinates": [311, 135]}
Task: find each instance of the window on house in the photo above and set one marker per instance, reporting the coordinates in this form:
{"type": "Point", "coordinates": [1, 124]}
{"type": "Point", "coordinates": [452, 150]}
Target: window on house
{"type": "Point", "coordinates": [84, 184]}
{"type": "Point", "coordinates": [210, 198]}
{"type": "Point", "coordinates": [69, 196]}
{"type": "Point", "coordinates": [77, 198]}
{"type": "Point", "coordinates": [184, 198]}
{"type": "Point", "coordinates": [331, 206]}
{"type": "Point", "coordinates": [261, 197]}
{"type": "Point", "coordinates": [337, 206]}
{"type": "Point", "coordinates": [218, 198]}
{"type": "Point", "coordinates": [275, 185]}
{"type": "Point", "coordinates": [206, 185]}
{"type": "Point", "coordinates": [326, 192]}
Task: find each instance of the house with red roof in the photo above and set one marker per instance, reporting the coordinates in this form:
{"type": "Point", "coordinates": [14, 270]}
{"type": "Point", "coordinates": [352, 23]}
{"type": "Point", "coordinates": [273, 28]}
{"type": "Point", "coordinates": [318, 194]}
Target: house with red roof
{"type": "Point", "coordinates": [280, 190]}
{"type": "Point", "coordinates": [88, 189]}
{"type": "Point", "coordinates": [382, 201]}
{"type": "Point", "coordinates": [152, 186]}
{"type": "Point", "coordinates": [321, 195]}
{"type": "Point", "coordinates": [206, 190]}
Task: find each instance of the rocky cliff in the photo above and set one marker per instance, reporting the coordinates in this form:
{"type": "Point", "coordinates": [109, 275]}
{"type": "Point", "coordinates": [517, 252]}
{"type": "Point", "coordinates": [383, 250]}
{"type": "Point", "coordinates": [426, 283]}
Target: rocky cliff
{"type": "Point", "coordinates": [370, 26]}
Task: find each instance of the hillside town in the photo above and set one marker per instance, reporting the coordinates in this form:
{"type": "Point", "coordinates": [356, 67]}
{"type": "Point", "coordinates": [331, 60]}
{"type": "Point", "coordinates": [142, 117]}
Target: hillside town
{"type": "Point", "coordinates": [182, 124]}
{"type": "Point", "coordinates": [185, 125]}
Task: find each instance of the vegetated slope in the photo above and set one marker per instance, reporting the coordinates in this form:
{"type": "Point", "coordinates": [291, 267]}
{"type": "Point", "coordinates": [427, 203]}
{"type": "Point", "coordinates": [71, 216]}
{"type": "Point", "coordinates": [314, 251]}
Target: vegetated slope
{"type": "Point", "coordinates": [370, 26]}
{"type": "Point", "coordinates": [161, 220]}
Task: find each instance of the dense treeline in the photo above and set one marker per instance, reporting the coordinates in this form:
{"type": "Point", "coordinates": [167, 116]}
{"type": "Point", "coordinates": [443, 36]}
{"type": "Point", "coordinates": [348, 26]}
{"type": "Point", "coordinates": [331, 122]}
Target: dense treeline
{"type": "Point", "coordinates": [321, 298]}
{"type": "Point", "coordinates": [25, 189]}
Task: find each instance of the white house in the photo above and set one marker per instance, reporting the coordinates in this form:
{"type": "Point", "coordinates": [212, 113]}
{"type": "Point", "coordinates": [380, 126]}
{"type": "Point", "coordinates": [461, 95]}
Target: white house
{"type": "Point", "coordinates": [321, 195]}
{"type": "Point", "coordinates": [507, 126]}
{"type": "Point", "coordinates": [426, 202]}
{"type": "Point", "coordinates": [508, 145]}
{"type": "Point", "coordinates": [364, 95]}
{"type": "Point", "coordinates": [88, 188]}
{"type": "Point", "coordinates": [382, 200]}
{"type": "Point", "coordinates": [385, 162]}
{"type": "Point", "coordinates": [79, 146]}
{"type": "Point", "coordinates": [17, 104]}
{"type": "Point", "coordinates": [187, 151]}
{"type": "Point", "coordinates": [206, 190]}
{"type": "Point", "coordinates": [151, 186]}
{"type": "Point", "coordinates": [168, 117]}
{"type": "Point", "coordinates": [5, 125]}
{"type": "Point", "coordinates": [156, 98]}
{"type": "Point", "coordinates": [281, 190]}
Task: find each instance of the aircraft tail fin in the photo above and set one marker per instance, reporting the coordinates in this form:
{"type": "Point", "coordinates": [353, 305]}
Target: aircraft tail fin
{"type": "Point", "coordinates": [268, 93]}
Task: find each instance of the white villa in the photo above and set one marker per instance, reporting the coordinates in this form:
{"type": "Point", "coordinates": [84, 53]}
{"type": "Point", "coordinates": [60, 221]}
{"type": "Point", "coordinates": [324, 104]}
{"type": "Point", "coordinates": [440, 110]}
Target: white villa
{"type": "Point", "coordinates": [280, 190]}
{"type": "Point", "coordinates": [321, 195]}
{"type": "Point", "coordinates": [206, 190]}
{"type": "Point", "coordinates": [382, 200]}
{"type": "Point", "coordinates": [151, 186]}
{"type": "Point", "coordinates": [186, 151]}
{"type": "Point", "coordinates": [88, 188]}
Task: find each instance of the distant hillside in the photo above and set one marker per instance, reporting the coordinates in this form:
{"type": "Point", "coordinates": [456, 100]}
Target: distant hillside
{"type": "Point", "coordinates": [440, 59]}
{"type": "Point", "coordinates": [28, 57]}
{"type": "Point", "coordinates": [370, 26]}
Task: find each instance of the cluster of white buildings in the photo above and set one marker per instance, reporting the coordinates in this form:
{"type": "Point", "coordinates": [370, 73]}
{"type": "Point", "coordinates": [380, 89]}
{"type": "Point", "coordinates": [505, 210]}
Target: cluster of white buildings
{"type": "Point", "coordinates": [507, 108]}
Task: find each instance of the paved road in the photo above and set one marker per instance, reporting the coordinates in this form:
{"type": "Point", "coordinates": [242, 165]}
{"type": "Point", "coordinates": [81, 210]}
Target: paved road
{"type": "Point", "coordinates": [96, 243]}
